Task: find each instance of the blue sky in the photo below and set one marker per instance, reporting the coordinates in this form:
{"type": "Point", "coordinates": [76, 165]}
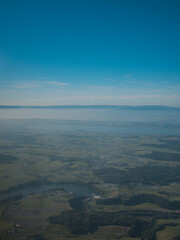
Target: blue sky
{"type": "Point", "coordinates": [123, 52]}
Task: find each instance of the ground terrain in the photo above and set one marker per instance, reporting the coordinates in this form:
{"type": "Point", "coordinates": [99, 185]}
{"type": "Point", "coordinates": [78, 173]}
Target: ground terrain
{"type": "Point", "coordinates": [135, 179]}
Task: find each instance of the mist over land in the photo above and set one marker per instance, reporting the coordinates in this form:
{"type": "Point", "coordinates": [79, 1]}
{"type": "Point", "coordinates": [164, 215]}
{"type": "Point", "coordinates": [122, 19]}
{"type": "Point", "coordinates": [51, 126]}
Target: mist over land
{"type": "Point", "coordinates": [93, 113]}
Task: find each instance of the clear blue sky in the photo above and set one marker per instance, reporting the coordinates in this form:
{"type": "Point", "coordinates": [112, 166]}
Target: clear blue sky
{"type": "Point", "coordinates": [124, 52]}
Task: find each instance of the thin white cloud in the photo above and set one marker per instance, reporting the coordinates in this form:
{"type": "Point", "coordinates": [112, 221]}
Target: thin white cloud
{"type": "Point", "coordinates": [56, 83]}
{"type": "Point", "coordinates": [92, 98]}
{"type": "Point", "coordinates": [86, 97]}
{"type": "Point", "coordinates": [138, 96]}
{"type": "Point", "coordinates": [112, 79]}
{"type": "Point", "coordinates": [174, 96]}
{"type": "Point", "coordinates": [128, 76]}
{"type": "Point", "coordinates": [147, 96]}
{"type": "Point", "coordinates": [23, 85]}
{"type": "Point", "coordinates": [37, 84]}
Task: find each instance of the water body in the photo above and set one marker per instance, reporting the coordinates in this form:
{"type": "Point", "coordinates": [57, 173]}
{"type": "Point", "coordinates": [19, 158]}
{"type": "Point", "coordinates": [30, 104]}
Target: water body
{"type": "Point", "coordinates": [163, 117]}
{"type": "Point", "coordinates": [104, 114]}
{"type": "Point", "coordinates": [77, 189]}
{"type": "Point", "coordinates": [106, 129]}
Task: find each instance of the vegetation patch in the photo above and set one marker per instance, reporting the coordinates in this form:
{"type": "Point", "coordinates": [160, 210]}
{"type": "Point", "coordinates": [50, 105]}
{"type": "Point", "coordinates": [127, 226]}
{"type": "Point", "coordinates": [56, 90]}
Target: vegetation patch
{"type": "Point", "coordinates": [152, 175]}
{"type": "Point", "coordinates": [5, 158]}
{"type": "Point", "coordinates": [162, 156]}
{"type": "Point", "coordinates": [79, 222]}
{"type": "Point", "coordinates": [166, 144]}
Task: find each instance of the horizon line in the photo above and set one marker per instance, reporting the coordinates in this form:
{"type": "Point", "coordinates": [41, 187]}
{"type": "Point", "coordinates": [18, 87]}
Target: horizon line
{"type": "Point", "coordinates": [88, 106]}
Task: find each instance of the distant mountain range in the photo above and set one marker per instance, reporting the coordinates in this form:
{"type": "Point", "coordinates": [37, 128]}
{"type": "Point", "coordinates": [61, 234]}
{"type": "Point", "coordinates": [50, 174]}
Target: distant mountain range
{"type": "Point", "coordinates": [145, 107]}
